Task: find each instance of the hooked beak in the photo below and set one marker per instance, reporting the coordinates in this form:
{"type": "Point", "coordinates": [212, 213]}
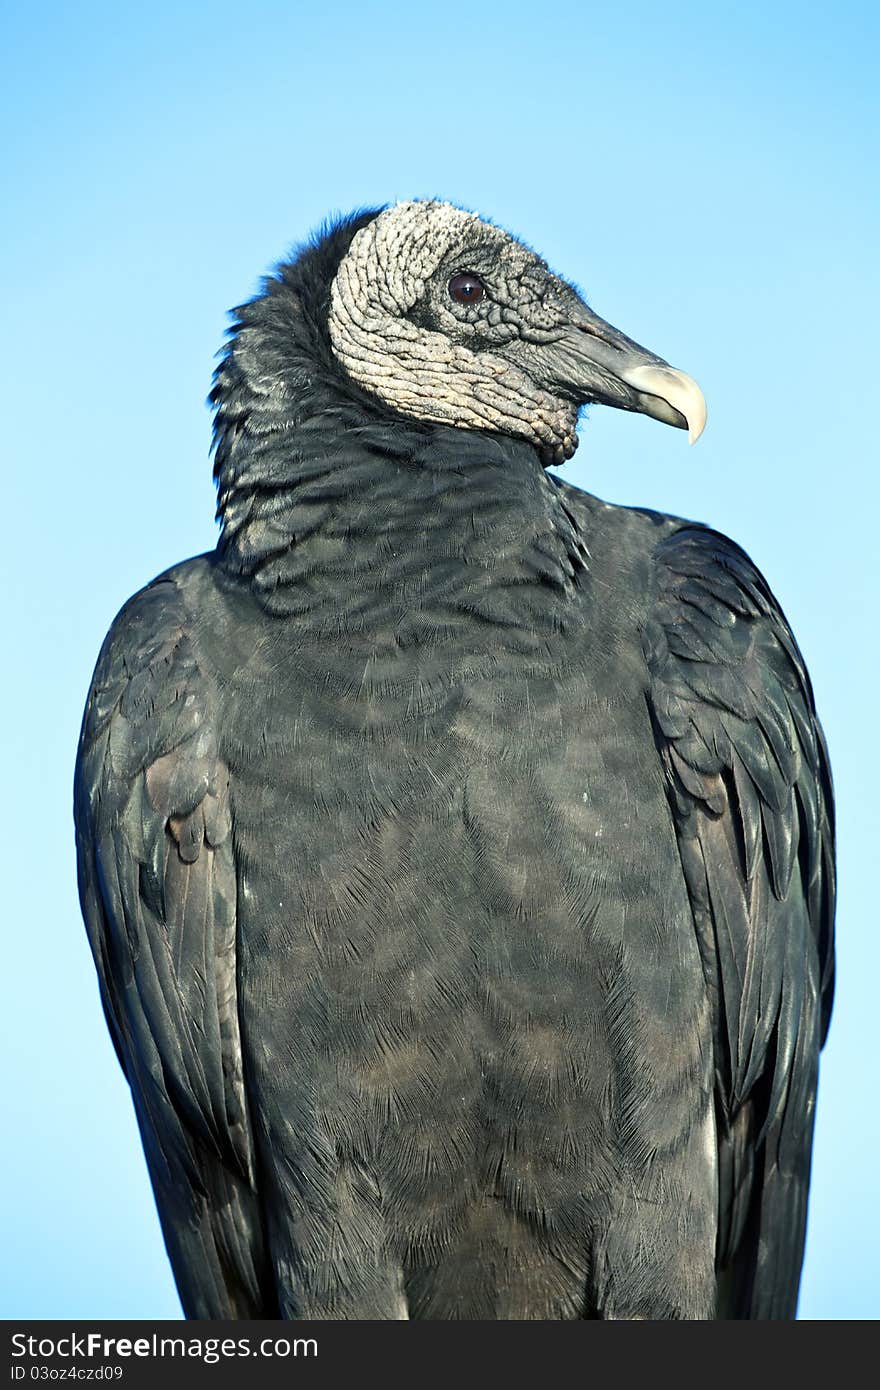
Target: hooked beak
{"type": "Point", "coordinates": [592, 361]}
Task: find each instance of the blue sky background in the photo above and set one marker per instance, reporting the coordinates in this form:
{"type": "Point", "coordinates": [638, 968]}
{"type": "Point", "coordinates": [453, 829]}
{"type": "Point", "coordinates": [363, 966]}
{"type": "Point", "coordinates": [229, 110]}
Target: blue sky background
{"type": "Point", "coordinates": [706, 173]}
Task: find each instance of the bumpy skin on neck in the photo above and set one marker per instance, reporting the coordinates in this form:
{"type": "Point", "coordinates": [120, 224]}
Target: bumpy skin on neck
{"type": "Point", "coordinates": [454, 371]}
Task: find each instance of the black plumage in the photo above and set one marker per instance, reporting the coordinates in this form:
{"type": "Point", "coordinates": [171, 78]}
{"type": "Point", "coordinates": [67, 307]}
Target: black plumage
{"type": "Point", "coordinates": [456, 852]}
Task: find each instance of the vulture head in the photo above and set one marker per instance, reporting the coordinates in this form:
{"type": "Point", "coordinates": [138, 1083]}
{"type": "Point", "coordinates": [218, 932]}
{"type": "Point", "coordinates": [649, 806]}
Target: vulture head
{"type": "Point", "coordinates": [449, 319]}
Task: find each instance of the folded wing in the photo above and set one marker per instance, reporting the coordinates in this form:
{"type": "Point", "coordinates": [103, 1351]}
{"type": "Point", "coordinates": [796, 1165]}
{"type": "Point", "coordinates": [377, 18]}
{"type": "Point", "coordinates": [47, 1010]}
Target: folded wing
{"type": "Point", "coordinates": [158, 889]}
{"type": "Point", "coordinates": [750, 791]}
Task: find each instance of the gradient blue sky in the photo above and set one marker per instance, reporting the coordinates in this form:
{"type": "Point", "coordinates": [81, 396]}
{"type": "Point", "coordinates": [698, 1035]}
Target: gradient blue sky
{"type": "Point", "coordinates": [705, 172]}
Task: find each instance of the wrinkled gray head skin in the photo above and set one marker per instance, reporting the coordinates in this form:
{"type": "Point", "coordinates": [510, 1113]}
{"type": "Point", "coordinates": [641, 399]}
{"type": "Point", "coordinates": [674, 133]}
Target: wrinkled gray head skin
{"type": "Point", "coordinates": [521, 359]}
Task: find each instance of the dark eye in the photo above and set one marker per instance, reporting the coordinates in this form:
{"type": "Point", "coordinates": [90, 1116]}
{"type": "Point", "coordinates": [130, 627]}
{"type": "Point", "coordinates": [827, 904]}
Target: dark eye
{"type": "Point", "coordinates": [467, 288]}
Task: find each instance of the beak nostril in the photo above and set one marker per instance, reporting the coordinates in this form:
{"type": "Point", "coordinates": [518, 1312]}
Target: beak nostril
{"type": "Point", "coordinates": [597, 328]}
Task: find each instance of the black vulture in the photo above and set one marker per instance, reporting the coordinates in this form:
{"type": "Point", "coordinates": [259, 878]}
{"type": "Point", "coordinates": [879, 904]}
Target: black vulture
{"type": "Point", "coordinates": [456, 849]}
